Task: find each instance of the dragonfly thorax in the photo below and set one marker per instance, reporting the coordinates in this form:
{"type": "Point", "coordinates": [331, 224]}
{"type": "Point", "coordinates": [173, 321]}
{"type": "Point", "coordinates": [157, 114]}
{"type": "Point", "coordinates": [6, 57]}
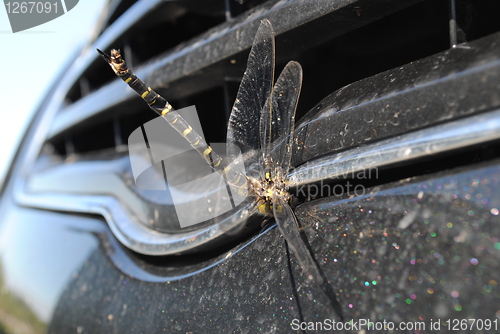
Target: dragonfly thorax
{"type": "Point", "coordinates": [267, 190]}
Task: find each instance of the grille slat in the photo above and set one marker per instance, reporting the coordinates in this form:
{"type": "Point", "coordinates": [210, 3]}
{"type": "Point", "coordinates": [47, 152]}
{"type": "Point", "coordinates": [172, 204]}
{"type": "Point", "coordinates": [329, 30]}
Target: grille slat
{"type": "Point", "coordinates": [207, 60]}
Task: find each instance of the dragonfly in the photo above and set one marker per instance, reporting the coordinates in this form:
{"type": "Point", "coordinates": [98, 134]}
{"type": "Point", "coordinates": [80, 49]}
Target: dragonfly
{"type": "Point", "coordinates": [261, 128]}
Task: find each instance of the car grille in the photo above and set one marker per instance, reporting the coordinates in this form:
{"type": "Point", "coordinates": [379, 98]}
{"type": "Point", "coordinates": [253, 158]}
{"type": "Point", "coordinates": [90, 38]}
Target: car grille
{"type": "Point", "coordinates": [391, 71]}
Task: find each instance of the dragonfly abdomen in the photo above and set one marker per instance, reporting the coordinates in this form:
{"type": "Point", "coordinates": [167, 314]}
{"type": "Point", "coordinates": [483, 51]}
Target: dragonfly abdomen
{"type": "Point", "coordinates": [163, 108]}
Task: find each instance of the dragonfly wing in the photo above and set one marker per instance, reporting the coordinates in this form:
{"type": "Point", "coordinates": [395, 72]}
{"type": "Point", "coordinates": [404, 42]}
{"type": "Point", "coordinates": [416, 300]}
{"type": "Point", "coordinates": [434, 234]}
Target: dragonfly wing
{"type": "Point", "coordinates": [277, 120]}
{"type": "Point", "coordinates": [289, 228]}
{"type": "Point", "coordinates": [255, 88]}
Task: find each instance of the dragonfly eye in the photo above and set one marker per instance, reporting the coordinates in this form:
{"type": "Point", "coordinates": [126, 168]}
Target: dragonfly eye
{"type": "Point", "coordinates": [116, 56]}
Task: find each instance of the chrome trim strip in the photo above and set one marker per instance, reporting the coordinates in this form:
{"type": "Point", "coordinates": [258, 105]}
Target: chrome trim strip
{"type": "Point", "coordinates": [457, 134]}
{"type": "Point", "coordinates": [131, 233]}
{"type": "Point", "coordinates": [123, 262]}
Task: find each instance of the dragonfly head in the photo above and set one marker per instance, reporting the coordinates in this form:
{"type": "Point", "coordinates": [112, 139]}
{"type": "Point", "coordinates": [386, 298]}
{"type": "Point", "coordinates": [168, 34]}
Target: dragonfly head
{"type": "Point", "coordinates": [115, 60]}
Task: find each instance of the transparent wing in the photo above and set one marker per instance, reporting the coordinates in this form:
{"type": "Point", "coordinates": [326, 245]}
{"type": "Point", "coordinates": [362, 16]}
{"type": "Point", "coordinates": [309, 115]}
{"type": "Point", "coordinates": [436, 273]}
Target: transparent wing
{"type": "Point", "coordinates": [277, 121]}
{"type": "Point", "coordinates": [254, 90]}
{"type": "Point", "coordinates": [289, 228]}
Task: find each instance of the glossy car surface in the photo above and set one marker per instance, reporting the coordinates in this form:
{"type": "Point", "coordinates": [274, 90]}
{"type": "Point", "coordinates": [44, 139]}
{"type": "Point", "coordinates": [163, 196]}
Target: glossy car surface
{"type": "Point", "coordinates": [396, 174]}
